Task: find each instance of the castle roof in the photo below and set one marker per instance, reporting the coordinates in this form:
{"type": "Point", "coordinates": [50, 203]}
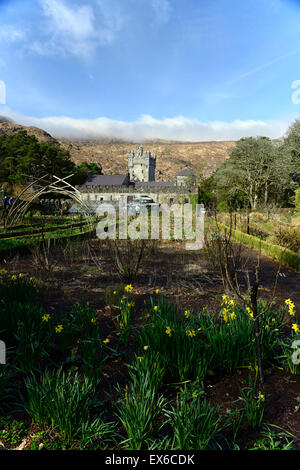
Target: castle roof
{"type": "Point", "coordinates": [153, 183]}
{"type": "Point", "coordinates": [106, 180]}
{"type": "Point", "coordinates": [186, 172]}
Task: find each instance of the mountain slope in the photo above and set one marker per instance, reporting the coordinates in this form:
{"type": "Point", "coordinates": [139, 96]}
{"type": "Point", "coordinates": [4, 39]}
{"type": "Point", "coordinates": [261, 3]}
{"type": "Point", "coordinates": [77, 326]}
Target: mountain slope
{"type": "Point", "coordinates": [171, 157]}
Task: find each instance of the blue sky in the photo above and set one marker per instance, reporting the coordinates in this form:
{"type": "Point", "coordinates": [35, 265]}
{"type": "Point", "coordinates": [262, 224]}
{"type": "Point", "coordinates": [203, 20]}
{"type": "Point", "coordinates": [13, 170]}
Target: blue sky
{"type": "Point", "coordinates": [174, 69]}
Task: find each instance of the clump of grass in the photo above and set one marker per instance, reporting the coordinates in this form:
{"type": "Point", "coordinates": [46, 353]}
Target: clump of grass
{"type": "Point", "coordinates": [59, 400]}
{"type": "Point", "coordinates": [253, 404]}
{"type": "Point", "coordinates": [194, 421]}
{"type": "Point", "coordinates": [272, 440]}
{"type": "Point", "coordinates": [178, 342]}
{"type": "Point", "coordinates": [138, 411]}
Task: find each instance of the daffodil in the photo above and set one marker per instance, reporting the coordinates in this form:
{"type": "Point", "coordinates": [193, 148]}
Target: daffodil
{"type": "Point", "coordinates": [225, 314]}
{"type": "Point", "coordinates": [155, 308]}
{"type": "Point", "coordinates": [191, 333]}
{"type": "Point", "coordinates": [291, 307]}
{"type": "Point", "coordinates": [93, 320]}
{"type": "Point", "coordinates": [249, 310]}
{"type": "Point", "coordinates": [261, 396]}
{"type": "Point", "coordinates": [296, 328]}
{"type": "Point", "coordinates": [59, 328]}
{"type": "Point", "coordinates": [13, 278]}
{"type": "Point", "coordinates": [187, 314]}
{"type": "Point", "coordinates": [233, 316]}
{"type": "Point", "coordinates": [106, 341]}
{"type": "Point", "coordinates": [157, 291]}
{"type": "Point", "coordinates": [129, 288]}
{"type": "Point", "coordinates": [168, 331]}
{"type": "Point", "coordinates": [146, 347]}
{"type": "Point", "coordinates": [46, 317]}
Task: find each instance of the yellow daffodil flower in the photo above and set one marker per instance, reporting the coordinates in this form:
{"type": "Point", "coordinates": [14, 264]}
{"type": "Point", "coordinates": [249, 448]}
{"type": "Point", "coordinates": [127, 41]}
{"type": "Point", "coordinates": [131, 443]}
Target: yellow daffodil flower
{"type": "Point", "coordinates": [187, 314]}
{"type": "Point", "coordinates": [46, 317]}
{"type": "Point", "coordinates": [168, 331]}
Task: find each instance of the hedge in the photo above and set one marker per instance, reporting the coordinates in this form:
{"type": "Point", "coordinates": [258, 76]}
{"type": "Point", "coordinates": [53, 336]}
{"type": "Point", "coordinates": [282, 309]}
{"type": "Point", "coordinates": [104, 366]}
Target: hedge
{"type": "Point", "coordinates": [23, 245]}
{"type": "Point", "coordinates": [288, 257]}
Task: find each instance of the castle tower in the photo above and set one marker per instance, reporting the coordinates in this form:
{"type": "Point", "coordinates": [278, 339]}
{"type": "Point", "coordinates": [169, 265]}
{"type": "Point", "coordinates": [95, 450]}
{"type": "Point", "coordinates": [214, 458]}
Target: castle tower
{"type": "Point", "coordinates": [185, 177]}
{"type": "Point", "coordinates": [141, 165]}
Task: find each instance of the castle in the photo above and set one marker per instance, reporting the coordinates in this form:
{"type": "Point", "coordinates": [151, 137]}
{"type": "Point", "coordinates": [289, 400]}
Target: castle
{"type": "Point", "coordinates": [139, 182]}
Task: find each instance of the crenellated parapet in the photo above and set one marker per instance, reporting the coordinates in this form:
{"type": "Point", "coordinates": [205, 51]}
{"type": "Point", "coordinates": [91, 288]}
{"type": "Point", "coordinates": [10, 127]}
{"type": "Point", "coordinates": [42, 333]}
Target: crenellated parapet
{"type": "Point", "coordinates": [141, 165]}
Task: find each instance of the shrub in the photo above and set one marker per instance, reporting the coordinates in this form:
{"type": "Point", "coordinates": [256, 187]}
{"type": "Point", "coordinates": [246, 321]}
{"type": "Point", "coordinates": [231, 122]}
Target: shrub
{"type": "Point", "coordinates": [297, 200]}
{"type": "Point", "coordinates": [287, 256]}
{"type": "Point", "coordinates": [288, 237]}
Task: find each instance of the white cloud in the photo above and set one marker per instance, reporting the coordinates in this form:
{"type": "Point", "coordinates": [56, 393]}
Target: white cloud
{"type": "Point", "coordinates": [11, 33]}
{"type": "Point", "coordinates": [147, 127]}
{"type": "Point", "coordinates": [69, 28]}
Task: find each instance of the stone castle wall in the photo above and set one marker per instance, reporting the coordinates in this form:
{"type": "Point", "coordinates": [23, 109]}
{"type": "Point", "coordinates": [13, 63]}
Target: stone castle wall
{"type": "Point", "coordinates": [141, 165]}
{"type": "Point", "coordinates": [159, 194]}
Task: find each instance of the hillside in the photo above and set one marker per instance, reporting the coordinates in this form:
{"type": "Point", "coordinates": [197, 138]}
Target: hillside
{"type": "Point", "coordinates": [172, 156]}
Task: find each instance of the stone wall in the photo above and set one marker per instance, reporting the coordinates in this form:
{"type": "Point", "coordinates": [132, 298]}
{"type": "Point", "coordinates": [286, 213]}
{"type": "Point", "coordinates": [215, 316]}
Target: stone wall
{"type": "Point", "coordinates": [159, 194]}
{"type": "Point", "coordinates": [141, 165]}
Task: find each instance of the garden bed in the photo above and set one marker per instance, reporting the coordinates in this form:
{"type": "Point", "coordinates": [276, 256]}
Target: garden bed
{"type": "Point", "coordinates": [186, 284]}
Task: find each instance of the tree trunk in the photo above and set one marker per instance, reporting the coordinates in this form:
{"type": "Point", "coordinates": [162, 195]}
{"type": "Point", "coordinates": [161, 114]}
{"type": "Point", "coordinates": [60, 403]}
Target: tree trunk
{"type": "Point", "coordinates": [266, 193]}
